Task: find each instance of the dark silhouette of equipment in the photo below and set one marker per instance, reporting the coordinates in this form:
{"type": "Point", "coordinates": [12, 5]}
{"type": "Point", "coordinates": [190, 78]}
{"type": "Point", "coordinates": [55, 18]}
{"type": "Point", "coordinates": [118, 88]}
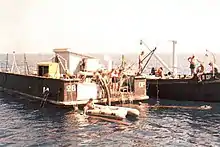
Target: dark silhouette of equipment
{"type": "Point", "coordinates": [149, 55]}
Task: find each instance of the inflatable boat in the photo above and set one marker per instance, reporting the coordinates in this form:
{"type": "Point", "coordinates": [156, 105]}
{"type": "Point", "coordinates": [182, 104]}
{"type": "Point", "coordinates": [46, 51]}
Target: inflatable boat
{"type": "Point", "coordinates": [106, 112]}
{"type": "Point", "coordinates": [113, 112]}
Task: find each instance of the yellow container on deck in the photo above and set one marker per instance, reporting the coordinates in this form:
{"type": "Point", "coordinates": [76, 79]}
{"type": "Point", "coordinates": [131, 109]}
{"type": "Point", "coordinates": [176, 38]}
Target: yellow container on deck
{"type": "Point", "coordinates": [48, 69]}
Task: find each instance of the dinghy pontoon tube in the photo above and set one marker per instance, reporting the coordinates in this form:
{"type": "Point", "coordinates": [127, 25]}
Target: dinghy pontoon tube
{"type": "Point", "coordinates": [129, 111]}
{"type": "Point", "coordinates": [106, 112]}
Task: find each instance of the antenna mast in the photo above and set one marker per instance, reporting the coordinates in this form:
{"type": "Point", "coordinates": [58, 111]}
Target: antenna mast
{"type": "Point", "coordinates": [26, 69]}
{"type": "Point", "coordinates": [6, 65]}
{"type": "Point", "coordinates": [14, 64]}
{"type": "Point", "coordinates": [174, 66]}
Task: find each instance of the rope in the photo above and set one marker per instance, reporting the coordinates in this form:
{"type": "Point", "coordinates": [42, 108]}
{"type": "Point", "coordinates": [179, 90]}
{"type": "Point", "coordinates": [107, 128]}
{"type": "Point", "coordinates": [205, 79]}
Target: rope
{"type": "Point", "coordinates": [58, 94]}
{"type": "Point", "coordinates": [158, 102]}
{"type": "Point", "coordinates": [105, 88]}
{"type": "Point", "coordinates": [45, 96]}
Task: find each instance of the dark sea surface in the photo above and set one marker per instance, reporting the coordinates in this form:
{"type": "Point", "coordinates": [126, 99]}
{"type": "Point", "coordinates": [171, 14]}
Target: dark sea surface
{"type": "Point", "coordinates": [24, 123]}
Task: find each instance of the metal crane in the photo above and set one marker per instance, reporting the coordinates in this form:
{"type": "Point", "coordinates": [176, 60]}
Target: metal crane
{"type": "Point", "coordinates": [157, 57]}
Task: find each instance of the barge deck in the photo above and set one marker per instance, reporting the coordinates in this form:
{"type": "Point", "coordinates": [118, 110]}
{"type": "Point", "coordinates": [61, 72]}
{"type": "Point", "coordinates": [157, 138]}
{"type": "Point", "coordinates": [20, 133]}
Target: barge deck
{"type": "Point", "coordinates": [62, 82]}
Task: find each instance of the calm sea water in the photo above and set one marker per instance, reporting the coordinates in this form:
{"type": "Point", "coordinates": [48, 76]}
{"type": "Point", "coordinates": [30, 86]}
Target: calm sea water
{"type": "Point", "coordinates": [24, 123]}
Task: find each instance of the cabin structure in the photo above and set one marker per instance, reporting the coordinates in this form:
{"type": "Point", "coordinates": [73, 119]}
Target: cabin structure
{"type": "Point", "coordinates": [72, 61]}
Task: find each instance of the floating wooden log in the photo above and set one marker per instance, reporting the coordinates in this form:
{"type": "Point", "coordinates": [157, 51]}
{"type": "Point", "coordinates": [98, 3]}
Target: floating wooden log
{"type": "Point", "coordinates": [111, 120]}
{"type": "Point", "coordinates": [205, 107]}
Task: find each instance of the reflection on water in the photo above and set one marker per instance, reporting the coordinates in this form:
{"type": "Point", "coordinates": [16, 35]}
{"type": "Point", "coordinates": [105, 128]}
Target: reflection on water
{"type": "Point", "coordinates": [24, 123]}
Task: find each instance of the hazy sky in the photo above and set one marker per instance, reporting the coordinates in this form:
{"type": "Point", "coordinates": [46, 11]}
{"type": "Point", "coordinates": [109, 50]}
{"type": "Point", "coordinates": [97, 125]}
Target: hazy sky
{"type": "Point", "coordinates": [109, 25]}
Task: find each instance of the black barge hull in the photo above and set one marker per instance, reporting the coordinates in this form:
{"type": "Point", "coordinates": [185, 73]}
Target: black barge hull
{"type": "Point", "coordinates": [34, 87]}
{"type": "Point", "coordinates": [63, 92]}
{"type": "Point", "coordinates": [207, 90]}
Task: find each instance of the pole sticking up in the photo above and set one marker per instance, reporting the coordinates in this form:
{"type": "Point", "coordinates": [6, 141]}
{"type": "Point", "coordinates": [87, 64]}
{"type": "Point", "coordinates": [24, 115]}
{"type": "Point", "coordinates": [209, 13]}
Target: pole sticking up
{"type": "Point", "coordinates": [26, 69]}
{"type": "Point", "coordinates": [64, 67]}
{"type": "Point", "coordinates": [174, 66]}
{"type": "Point", "coordinates": [212, 63]}
{"type": "Point", "coordinates": [14, 65]}
{"type": "Point", "coordinates": [213, 55]}
{"type": "Point", "coordinates": [6, 64]}
{"type": "Point", "coordinates": [122, 62]}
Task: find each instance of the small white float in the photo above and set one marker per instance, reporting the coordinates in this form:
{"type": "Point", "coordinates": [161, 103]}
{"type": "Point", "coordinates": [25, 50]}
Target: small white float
{"type": "Point", "coordinates": [205, 107]}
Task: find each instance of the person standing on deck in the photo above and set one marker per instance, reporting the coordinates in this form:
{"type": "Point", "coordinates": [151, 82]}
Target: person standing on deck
{"type": "Point", "coordinates": [159, 72]}
{"type": "Point", "coordinates": [200, 70]}
{"type": "Point", "coordinates": [214, 68]}
{"type": "Point", "coordinates": [140, 62]}
{"type": "Point", "coordinates": [114, 77]}
{"type": "Point", "coordinates": [82, 64]}
{"type": "Point", "coordinates": [153, 72]}
{"type": "Point", "coordinates": [192, 64]}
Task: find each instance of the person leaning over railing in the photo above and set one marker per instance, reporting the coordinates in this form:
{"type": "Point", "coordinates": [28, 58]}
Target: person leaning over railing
{"type": "Point", "coordinates": [214, 68]}
{"type": "Point", "coordinates": [159, 72]}
{"type": "Point", "coordinates": [200, 71]}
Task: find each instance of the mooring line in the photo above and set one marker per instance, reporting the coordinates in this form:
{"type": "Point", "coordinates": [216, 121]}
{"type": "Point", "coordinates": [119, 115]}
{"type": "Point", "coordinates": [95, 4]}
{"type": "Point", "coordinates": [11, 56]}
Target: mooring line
{"type": "Point", "coordinates": [204, 107]}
